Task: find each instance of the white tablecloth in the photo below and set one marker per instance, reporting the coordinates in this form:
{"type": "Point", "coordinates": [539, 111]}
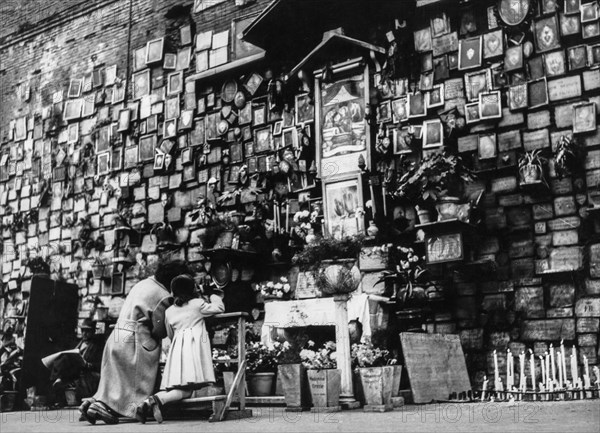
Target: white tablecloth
{"type": "Point", "coordinates": [313, 312]}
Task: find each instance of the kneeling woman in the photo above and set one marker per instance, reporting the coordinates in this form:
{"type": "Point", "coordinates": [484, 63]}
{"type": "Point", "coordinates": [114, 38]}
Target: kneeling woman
{"type": "Point", "coordinates": [189, 363]}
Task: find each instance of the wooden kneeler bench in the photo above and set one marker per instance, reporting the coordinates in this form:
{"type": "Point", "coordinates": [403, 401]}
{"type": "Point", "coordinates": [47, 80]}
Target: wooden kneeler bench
{"type": "Point", "coordinates": [221, 404]}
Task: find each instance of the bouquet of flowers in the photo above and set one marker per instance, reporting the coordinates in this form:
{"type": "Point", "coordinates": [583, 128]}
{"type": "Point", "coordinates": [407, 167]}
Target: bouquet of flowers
{"type": "Point", "coordinates": [306, 223]}
{"type": "Point", "coordinates": [319, 359]}
{"type": "Point", "coordinates": [409, 270]}
{"type": "Point", "coordinates": [260, 358]}
{"type": "Point", "coordinates": [366, 355]}
{"type": "Point", "coordinates": [280, 289]}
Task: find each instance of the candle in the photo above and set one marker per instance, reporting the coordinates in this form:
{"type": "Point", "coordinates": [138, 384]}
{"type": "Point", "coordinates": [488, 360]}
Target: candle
{"type": "Point", "coordinates": [543, 370]}
{"type": "Point", "coordinates": [532, 369]}
{"type": "Point", "coordinates": [287, 217]}
{"type": "Point", "coordinates": [574, 366]}
{"type": "Point", "coordinates": [586, 376]}
{"type": "Point", "coordinates": [522, 379]}
{"type": "Point", "coordinates": [560, 372]}
{"type": "Point", "coordinates": [496, 373]}
{"type": "Point", "coordinates": [564, 362]}
{"type": "Point", "coordinates": [508, 381]}
{"type": "Point", "coordinates": [485, 384]}
{"type": "Point", "coordinates": [497, 381]}
{"type": "Point", "coordinates": [548, 379]}
{"type": "Point", "coordinates": [553, 365]}
{"type": "Point", "coordinates": [597, 373]}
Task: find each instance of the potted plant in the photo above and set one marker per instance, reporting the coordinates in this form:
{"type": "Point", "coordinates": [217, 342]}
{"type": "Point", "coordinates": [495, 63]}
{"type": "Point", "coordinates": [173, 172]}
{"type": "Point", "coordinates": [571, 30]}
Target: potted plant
{"type": "Point", "coordinates": [531, 166]}
{"type": "Point", "coordinates": [436, 177]}
{"type": "Point", "coordinates": [98, 268]}
{"type": "Point", "coordinates": [280, 290]}
{"type": "Point", "coordinates": [565, 156]}
{"type": "Point", "coordinates": [292, 373]}
{"type": "Point", "coordinates": [261, 365]}
{"type": "Point", "coordinates": [324, 378]}
{"type": "Point", "coordinates": [379, 376]}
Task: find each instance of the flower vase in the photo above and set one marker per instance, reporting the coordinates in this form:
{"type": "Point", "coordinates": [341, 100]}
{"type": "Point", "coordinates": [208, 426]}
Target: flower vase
{"type": "Point", "coordinates": [294, 382]}
{"type": "Point", "coordinates": [261, 384]}
{"type": "Point", "coordinates": [325, 388]}
{"type": "Point", "coordinates": [377, 384]}
{"type": "Point", "coordinates": [372, 230]}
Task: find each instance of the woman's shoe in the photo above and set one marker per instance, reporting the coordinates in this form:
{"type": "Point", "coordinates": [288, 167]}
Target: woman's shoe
{"type": "Point", "coordinates": [84, 409]}
{"type": "Point", "coordinates": [156, 407]}
{"type": "Point", "coordinates": [98, 411]}
{"type": "Point", "coordinates": [141, 412]}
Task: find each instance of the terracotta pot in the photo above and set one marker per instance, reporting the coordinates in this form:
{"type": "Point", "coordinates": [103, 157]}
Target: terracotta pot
{"type": "Point", "coordinates": [530, 173]}
{"type": "Point", "coordinates": [377, 384]}
{"type": "Point", "coordinates": [294, 382]}
{"type": "Point", "coordinates": [424, 216]}
{"type": "Point", "coordinates": [325, 387]}
{"type": "Point", "coordinates": [447, 208]}
{"type": "Point", "coordinates": [261, 384]}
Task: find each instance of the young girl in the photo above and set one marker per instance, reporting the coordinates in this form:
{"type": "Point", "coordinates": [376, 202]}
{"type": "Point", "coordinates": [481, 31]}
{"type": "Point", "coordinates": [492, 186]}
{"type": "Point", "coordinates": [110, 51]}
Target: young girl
{"type": "Point", "coordinates": [189, 362]}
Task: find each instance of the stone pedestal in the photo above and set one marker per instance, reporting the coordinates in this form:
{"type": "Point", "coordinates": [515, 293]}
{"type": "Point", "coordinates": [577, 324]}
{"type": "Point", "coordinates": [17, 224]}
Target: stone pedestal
{"type": "Point", "coordinates": [347, 400]}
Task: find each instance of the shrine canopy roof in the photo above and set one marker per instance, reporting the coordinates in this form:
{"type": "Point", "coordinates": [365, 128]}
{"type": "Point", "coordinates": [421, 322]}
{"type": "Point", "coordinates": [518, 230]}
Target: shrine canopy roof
{"type": "Point", "coordinates": [290, 29]}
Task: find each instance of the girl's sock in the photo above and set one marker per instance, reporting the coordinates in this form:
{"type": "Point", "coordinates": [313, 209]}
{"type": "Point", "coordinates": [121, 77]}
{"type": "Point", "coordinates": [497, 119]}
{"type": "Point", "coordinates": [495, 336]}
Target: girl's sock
{"type": "Point", "coordinates": [173, 395]}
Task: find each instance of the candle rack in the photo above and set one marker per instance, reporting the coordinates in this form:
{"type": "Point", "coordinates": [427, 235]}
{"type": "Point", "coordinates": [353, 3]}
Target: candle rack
{"type": "Point", "coordinates": [590, 393]}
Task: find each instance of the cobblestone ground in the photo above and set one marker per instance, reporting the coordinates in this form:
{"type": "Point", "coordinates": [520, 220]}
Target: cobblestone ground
{"type": "Point", "coordinates": [578, 416]}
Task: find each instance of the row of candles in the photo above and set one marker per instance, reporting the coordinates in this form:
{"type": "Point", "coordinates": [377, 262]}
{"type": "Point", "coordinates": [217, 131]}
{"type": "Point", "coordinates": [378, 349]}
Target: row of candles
{"type": "Point", "coordinates": [553, 372]}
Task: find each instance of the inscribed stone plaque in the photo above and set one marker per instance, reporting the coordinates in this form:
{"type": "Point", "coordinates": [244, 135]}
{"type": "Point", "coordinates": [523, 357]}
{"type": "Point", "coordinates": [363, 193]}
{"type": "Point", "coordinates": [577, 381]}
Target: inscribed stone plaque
{"type": "Point", "coordinates": [504, 184]}
{"type": "Point", "coordinates": [523, 248]}
{"type": "Point", "coordinates": [536, 139]}
{"type": "Point", "coordinates": [548, 330]}
{"type": "Point", "coordinates": [530, 300]}
{"type": "Point", "coordinates": [566, 258]}
{"type": "Point", "coordinates": [591, 79]}
{"type": "Point", "coordinates": [542, 211]}
{"type": "Point", "coordinates": [510, 200]}
{"type": "Point", "coordinates": [468, 143]}
{"type": "Point", "coordinates": [592, 140]}
{"type": "Point", "coordinates": [560, 312]}
{"type": "Point", "coordinates": [538, 119]}
{"type": "Point", "coordinates": [563, 115]}
{"type": "Point", "coordinates": [562, 186]}
{"type": "Point", "coordinates": [592, 287]}
{"type": "Point", "coordinates": [510, 119]}
{"type": "Point", "coordinates": [522, 268]}
{"type": "Point", "coordinates": [565, 237]}
{"type": "Point", "coordinates": [508, 140]}
{"type": "Point", "coordinates": [595, 261]}
{"type": "Point", "coordinates": [564, 88]}
{"type": "Point", "coordinates": [445, 44]}
{"type": "Point", "coordinates": [565, 223]}
{"type": "Point", "coordinates": [588, 324]}
{"type": "Point", "coordinates": [588, 307]}
{"type": "Point", "coordinates": [561, 294]}
{"type": "Point", "coordinates": [592, 160]}
{"type": "Point", "coordinates": [453, 88]}
{"type": "Point", "coordinates": [540, 228]}
{"type": "Point", "coordinates": [565, 206]}
{"type": "Point", "coordinates": [592, 178]}
{"type": "Point", "coordinates": [519, 216]}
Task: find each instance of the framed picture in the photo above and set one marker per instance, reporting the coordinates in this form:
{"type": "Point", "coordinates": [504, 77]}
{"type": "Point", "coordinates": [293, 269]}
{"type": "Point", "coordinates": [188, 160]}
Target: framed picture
{"type": "Point", "coordinates": [75, 88]}
{"type": "Point", "coordinates": [259, 115]}
{"type": "Point", "coordinates": [197, 134]}
{"type": "Point", "coordinates": [433, 134]}
{"type": "Point", "coordinates": [591, 30]}
{"type": "Point", "coordinates": [247, 133]}
{"type": "Point", "coordinates": [172, 108]}
{"type": "Point", "coordinates": [175, 83]}
{"type": "Point", "coordinates": [185, 35]}
{"type": "Point", "coordinates": [569, 24]}
{"type": "Point", "coordinates": [441, 71]}
{"type": "Point", "coordinates": [184, 55]}
{"type": "Point", "coordinates": [248, 149]}
{"type": "Point", "coordinates": [342, 198]}
{"type": "Point", "coordinates": [211, 126]}
{"type": "Point", "coordinates": [278, 127]}
{"type": "Point", "coordinates": [594, 54]}
{"type": "Point", "coordinates": [305, 109]}
{"type": "Point", "coordinates": [426, 62]}
{"type": "Point", "coordinates": [139, 58]}
{"type": "Point", "coordinates": [554, 63]}
{"type": "Point", "coordinates": [118, 94]}
{"type": "Point", "coordinates": [584, 117]}
{"type": "Point", "coordinates": [469, 53]}
{"type": "Point", "coordinates": [103, 136]}
{"type": "Point", "coordinates": [159, 161]}
{"type": "Point", "coordinates": [453, 61]}
{"type": "Point", "coordinates": [399, 110]}
{"type": "Point", "coordinates": [439, 24]}
{"type": "Point", "coordinates": [493, 44]}
{"type": "Point", "coordinates": [402, 141]}
{"type": "Point", "coordinates": [263, 140]}
{"type": "Point", "coordinates": [549, 6]}
{"type": "Point", "coordinates": [131, 156]}
{"type": "Point", "coordinates": [170, 128]}
{"type": "Point", "coordinates": [384, 112]}
{"type": "Point", "coordinates": [155, 50]}
{"type": "Point", "coordinates": [73, 109]}
{"type": "Point", "coordinates": [416, 105]}
{"type": "Point", "coordinates": [253, 83]}
{"type": "Point", "coordinates": [124, 119]}
{"type": "Point", "coordinates": [116, 159]}
{"type": "Point", "coordinates": [513, 58]}
{"type": "Point", "coordinates": [517, 97]}
{"type": "Point", "coordinates": [186, 155]}
{"type": "Point", "coordinates": [152, 123]}
{"type": "Point", "coordinates": [141, 84]}
{"type": "Point", "coordinates": [147, 147]}
{"type": "Point", "coordinates": [186, 120]}
{"type": "Point", "coordinates": [435, 98]}
{"type": "Point", "coordinates": [235, 151]}
{"type": "Point", "coordinates": [577, 57]}
{"type": "Point", "coordinates": [486, 146]}
{"type": "Point", "coordinates": [537, 92]}
{"type": "Point", "coordinates": [426, 81]}
{"type": "Point", "coordinates": [490, 105]}
{"type": "Point", "coordinates": [423, 42]}
{"type": "Point", "coordinates": [546, 33]}
{"type": "Point", "coordinates": [103, 163]}
{"type": "Point", "coordinates": [589, 12]}
{"type": "Point", "coordinates": [444, 248]}
{"type": "Point", "coordinates": [170, 62]}
{"type": "Point", "coordinates": [476, 83]}
{"type": "Point", "coordinates": [73, 133]}
{"type": "Point", "coordinates": [89, 107]}
{"type": "Point", "coordinates": [245, 115]}
{"type": "Point", "coordinates": [472, 112]}
{"type": "Point", "coordinates": [572, 6]}
{"type": "Point", "coordinates": [290, 137]}
{"type": "Point", "coordinates": [189, 173]}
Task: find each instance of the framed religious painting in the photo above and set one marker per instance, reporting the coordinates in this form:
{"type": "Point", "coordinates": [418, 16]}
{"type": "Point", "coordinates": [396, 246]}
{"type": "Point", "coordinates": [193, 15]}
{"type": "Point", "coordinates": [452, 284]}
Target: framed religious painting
{"type": "Point", "coordinates": [259, 115]}
{"type": "Point", "coordinates": [399, 110]}
{"type": "Point", "coordinates": [422, 40]}
{"type": "Point", "coordinates": [73, 133]}
{"type": "Point", "coordinates": [435, 97]}
{"type": "Point", "coordinates": [589, 12]}
{"type": "Point", "coordinates": [402, 140]}
{"type": "Point", "coordinates": [116, 160]}
{"type": "Point", "coordinates": [416, 105]}
{"type": "Point", "coordinates": [594, 54]}
{"type": "Point", "coordinates": [139, 58]}
{"type": "Point", "coordinates": [493, 44]}
{"type": "Point", "coordinates": [154, 51]}
{"type": "Point", "coordinates": [102, 137]}
{"type": "Point", "coordinates": [141, 84]}
{"type": "Point", "coordinates": [263, 140]}
{"type": "Point", "coordinates": [549, 6]}
{"type": "Point", "coordinates": [517, 97]}
{"type": "Point", "coordinates": [572, 6]}
{"type": "Point", "coordinates": [253, 82]}
{"type": "Point", "coordinates": [554, 63]}
{"type": "Point", "coordinates": [513, 58]}
{"type": "Point", "coordinates": [584, 117]}
{"type": "Point", "coordinates": [590, 30]}
{"type": "Point", "coordinates": [305, 109]}
{"type": "Point", "coordinates": [170, 128]}
{"type": "Point", "coordinates": [486, 146]}
{"type": "Point", "coordinates": [342, 202]}
{"type": "Point", "coordinates": [453, 61]}
{"type": "Point", "coordinates": [469, 53]}
{"type": "Point", "coordinates": [103, 163]}
{"type": "Point", "coordinates": [433, 134]}
{"type": "Point", "coordinates": [439, 24]}
{"type": "Point", "coordinates": [569, 24]}
{"type": "Point", "coordinates": [170, 62]}
{"type": "Point", "coordinates": [537, 92]}
{"type": "Point", "coordinates": [426, 81]}
{"type": "Point", "coordinates": [118, 93]}
{"type": "Point", "coordinates": [75, 88]}
{"type": "Point", "coordinates": [535, 67]}
{"type": "Point", "coordinates": [441, 70]}
{"type": "Point", "coordinates": [514, 13]}
{"type": "Point", "coordinates": [147, 147]}
{"type": "Point", "coordinates": [426, 62]}
{"type": "Point", "coordinates": [384, 112]}
{"type": "Point", "coordinates": [175, 83]}
{"type": "Point", "coordinates": [545, 31]}
{"type": "Point", "coordinates": [577, 57]}
{"type": "Point", "coordinates": [124, 120]}
{"type": "Point", "coordinates": [73, 109]}
{"type": "Point", "coordinates": [186, 120]}
{"type": "Point", "coordinates": [490, 105]}
{"type": "Point", "coordinates": [472, 112]}
{"type": "Point", "coordinates": [342, 132]}
{"type": "Point", "coordinates": [184, 56]}
{"type": "Point", "coordinates": [476, 83]}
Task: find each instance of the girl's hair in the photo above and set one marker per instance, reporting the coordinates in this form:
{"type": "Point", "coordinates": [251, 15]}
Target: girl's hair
{"type": "Point", "coordinates": [166, 271]}
{"type": "Point", "coordinates": [182, 288]}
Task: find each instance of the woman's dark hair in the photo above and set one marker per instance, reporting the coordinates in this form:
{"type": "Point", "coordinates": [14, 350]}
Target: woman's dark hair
{"type": "Point", "coordinates": [182, 288]}
{"type": "Point", "coordinates": [165, 272]}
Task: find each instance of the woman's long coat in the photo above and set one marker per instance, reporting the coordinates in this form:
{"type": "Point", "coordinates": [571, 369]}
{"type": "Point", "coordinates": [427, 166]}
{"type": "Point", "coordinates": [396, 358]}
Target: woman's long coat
{"type": "Point", "coordinates": [131, 356]}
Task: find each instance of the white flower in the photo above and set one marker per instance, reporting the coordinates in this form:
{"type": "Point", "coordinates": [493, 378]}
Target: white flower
{"type": "Point", "coordinates": [286, 288]}
{"type": "Point", "coordinates": [279, 294]}
{"type": "Point", "coordinates": [270, 284]}
{"type": "Point", "coordinates": [278, 286]}
{"type": "Point", "coordinates": [311, 343]}
{"type": "Point", "coordinates": [283, 279]}
{"type": "Point", "coordinates": [286, 345]}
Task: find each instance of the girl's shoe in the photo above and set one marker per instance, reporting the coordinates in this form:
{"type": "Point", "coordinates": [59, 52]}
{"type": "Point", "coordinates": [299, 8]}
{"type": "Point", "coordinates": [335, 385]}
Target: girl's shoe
{"type": "Point", "coordinates": [141, 412]}
{"type": "Point", "coordinates": [156, 407]}
{"type": "Point", "coordinates": [97, 411]}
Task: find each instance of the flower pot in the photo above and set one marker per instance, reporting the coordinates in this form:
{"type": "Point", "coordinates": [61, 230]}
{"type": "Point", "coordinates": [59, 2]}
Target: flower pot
{"type": "Point", "coordinates": [325, 387]}
{"type": "Point", "coordinates": [447, 208]}
{"type": "Point", "coordinates": [530, 173]}
{"type": "Point", "coordinates": [424, 216]}
{"type": "Point", "coordinates": [333, 272]}
{"type": "Point", "coordinates": [372, 230]}
{"type": "Point", "coordinates": [396, 380]}
{"type": "Point", "coordinates": [377, 384]}
{"type": "Point", "coordinates": [261, 384]}
{"type": "Point", "coordinates": [294, 382]}
{"type": "Point", "coordinates": [8, 400]}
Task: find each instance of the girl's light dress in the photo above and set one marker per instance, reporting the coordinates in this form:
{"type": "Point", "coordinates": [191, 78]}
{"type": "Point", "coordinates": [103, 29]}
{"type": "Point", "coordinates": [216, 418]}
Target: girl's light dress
{"type": "Point", "coordinates": [189, 362]}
